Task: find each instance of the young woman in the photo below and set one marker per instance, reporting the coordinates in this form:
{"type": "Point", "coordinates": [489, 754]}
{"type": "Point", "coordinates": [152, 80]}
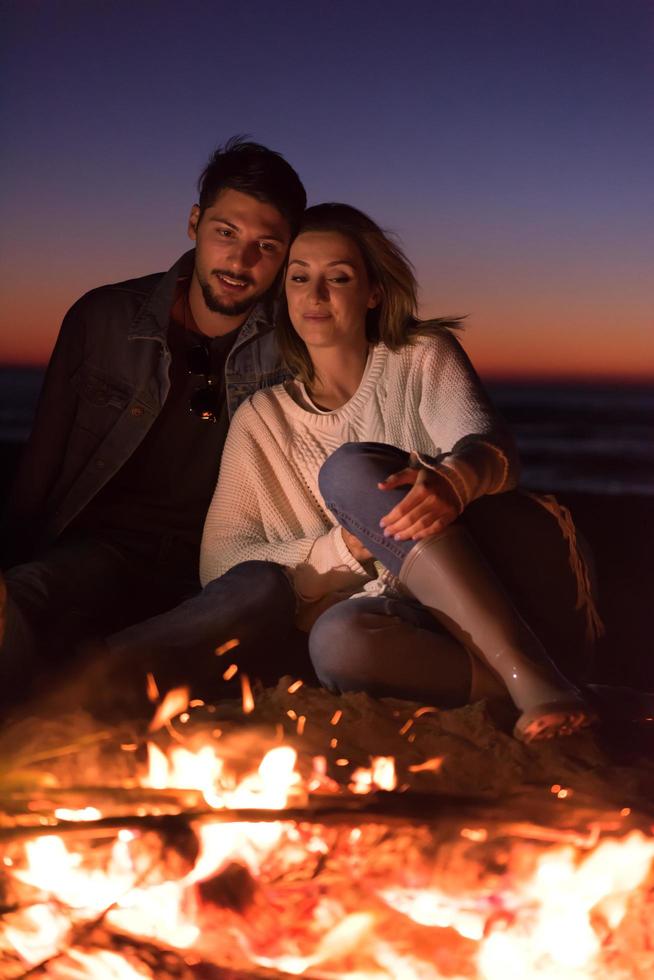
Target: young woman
{"type": "Point", "coordinates": [360, 477]}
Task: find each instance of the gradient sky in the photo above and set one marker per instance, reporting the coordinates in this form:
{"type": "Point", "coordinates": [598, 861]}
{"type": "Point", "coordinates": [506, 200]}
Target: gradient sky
{"type": "Point", "coordinates": [510, 145]}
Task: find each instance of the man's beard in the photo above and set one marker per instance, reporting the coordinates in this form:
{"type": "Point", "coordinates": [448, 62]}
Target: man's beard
{"type": "Point", "coordinates": [236, 307]}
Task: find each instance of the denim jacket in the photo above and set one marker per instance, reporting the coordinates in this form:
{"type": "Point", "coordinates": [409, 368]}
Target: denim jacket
{"type": "Point", "coordinates": [106, 382]}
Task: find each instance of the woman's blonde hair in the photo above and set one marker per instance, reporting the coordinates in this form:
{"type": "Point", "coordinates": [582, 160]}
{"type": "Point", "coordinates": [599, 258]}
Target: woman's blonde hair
{"type": "Point", "coordinates": [394, 321]}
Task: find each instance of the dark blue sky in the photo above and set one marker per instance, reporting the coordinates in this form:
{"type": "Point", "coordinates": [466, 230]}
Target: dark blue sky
{"type": "Point", "coordinates": [510, 144]}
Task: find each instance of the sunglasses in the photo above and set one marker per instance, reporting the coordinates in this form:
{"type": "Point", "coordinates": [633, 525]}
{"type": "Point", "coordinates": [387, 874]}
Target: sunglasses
{"type": "Point", "coordinates": [204, 401]}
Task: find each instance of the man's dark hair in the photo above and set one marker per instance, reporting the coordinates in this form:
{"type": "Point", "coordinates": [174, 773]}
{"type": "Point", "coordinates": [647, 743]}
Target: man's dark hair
{"type": "Point", "coordinates": [255, 170]}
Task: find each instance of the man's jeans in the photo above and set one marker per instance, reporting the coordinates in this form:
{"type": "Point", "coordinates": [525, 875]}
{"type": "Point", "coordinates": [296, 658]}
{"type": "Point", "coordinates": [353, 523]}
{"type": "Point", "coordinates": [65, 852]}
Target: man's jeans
{"type": "Point", "coordinates": [253, 603]}
{"type": "Point", "coordinates": [83, 589]}
{"type": "Point", "coordinates": [72, 592]}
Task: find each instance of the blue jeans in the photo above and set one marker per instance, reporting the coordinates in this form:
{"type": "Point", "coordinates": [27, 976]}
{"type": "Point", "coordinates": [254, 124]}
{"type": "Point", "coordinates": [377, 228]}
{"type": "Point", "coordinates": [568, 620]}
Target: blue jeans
{"type": "Point", "coordinates": [348, 483]}
{"type": "Point", "coordinates": [385, 646]}
{"type": "Point", "coordinates": [389, 648]}
{"type": "Point", "coordinates": [82, 589]}
{"type": "Point", "coordinates": [253, 602]}
{"type": "Point", "coordinates": [76, 590]}
{"type": "Point", "coordinates": [394, 647]}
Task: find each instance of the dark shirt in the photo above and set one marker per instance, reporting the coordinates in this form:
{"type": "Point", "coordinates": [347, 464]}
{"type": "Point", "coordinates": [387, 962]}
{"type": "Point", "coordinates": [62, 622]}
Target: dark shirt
{"type": "Point", "coordinates": [158, 500]}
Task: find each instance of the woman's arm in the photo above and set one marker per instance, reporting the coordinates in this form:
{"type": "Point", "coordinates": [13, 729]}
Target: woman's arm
{"type": "Point", "coordinates": [255, 515]}
{"type": "Point", "coordinates": [477, 453]}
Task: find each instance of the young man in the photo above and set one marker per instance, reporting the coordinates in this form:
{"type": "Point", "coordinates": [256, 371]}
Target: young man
{"type": "Point", "coordinates": [107, 510]}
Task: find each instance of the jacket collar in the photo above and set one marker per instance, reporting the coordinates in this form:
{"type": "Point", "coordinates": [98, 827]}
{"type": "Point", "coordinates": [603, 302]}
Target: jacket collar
{"type": "Point", "coordinates": [151, 321]}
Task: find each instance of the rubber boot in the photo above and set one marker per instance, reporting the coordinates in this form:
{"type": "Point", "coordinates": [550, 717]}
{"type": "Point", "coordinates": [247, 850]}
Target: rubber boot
{"type": "Point", "coordinates": [449, 576]}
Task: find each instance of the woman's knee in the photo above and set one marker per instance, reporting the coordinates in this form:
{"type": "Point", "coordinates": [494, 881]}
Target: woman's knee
{"type": "Point", "coordinates": [357, 466]}
{"type": "Point", "coordinates": [342, 647]}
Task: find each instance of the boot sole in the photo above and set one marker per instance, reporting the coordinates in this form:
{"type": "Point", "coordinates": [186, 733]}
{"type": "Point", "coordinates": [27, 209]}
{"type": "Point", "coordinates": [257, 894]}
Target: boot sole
{"type": "Point", "coordinates": [552, 721]}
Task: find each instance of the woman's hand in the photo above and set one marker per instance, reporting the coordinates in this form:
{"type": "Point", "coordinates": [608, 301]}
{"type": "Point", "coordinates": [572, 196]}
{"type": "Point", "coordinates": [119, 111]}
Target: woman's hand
{"type": "Point", "coordinates": [354, 546]}
{"type": "Point", "coordinates": [427, 509]}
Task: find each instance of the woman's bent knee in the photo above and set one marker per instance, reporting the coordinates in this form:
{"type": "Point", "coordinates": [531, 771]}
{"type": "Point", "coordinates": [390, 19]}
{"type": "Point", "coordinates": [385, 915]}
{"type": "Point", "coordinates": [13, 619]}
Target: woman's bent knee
{"type": "Point", "coordinates": [357, 465]}
{"type": "Point", "coordinates": [341, 647]}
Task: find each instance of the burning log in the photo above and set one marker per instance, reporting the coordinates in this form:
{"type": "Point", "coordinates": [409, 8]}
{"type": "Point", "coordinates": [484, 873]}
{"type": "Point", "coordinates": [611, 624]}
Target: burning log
{"type": "Point", "coordinates": [330, 865]}
{"type": "Point", "coordinates": [441, 884]}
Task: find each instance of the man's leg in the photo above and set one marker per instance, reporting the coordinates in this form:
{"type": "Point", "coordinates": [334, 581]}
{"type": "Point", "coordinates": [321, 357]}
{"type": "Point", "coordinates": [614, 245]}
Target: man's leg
{"type": "Point", "coordinates": [53, 602]}
{"type": "Point", "coordinates": [253, 603]}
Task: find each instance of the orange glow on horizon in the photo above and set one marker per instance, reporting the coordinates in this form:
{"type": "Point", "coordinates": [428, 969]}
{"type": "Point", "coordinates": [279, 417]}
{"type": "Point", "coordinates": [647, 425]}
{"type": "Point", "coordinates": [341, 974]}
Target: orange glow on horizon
{"type": "Point", "coordinates": [521, 340]}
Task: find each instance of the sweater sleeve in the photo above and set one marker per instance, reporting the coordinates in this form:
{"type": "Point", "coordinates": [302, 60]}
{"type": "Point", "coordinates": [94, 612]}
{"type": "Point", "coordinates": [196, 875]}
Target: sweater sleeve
{"type": "Point", "coordinates": [254, 516]}
{"type": "Point", "coordinates": [477, 453]}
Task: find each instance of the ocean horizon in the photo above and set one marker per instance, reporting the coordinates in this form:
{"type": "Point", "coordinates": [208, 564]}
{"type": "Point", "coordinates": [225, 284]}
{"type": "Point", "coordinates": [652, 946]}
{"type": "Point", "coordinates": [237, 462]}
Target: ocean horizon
{"type": "Point", "coordinates": [573, 436]}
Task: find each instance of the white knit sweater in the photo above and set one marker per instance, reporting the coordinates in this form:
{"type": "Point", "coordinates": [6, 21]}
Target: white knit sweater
{"type": "Point", "coordinates": [267, 505]}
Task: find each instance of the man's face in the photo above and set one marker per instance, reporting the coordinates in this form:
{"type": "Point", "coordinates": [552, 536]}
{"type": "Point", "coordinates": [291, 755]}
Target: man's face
{"type": "Point", "coordinates": [241, 244]}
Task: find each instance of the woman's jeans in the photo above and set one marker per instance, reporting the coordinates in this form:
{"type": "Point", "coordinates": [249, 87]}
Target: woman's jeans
{"type": "Point", "coordinates": [348, 483]}
{"type": "Point", "coordinates": [386, 646]}
{"type": "Point", "coordinates": [395, 647]}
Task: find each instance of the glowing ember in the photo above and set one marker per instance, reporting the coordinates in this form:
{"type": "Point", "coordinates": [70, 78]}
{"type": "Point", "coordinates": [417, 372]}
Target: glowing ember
{"type": "Point", "coordinates": [431, 765]}
{"type": "Point", "coordinates": [152, 688]}
{"type": "Point", "coordinates": [246, 694]}
{"type": "Point", "coordinates": [173, 704]}
{"type": "Point", "coordinates": [226, 647]}
{"type": "Point", "coordinates": [86, 813]}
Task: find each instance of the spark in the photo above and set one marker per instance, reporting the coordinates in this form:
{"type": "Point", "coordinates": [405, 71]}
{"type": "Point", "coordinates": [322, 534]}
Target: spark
{"type": "Point", "coordinates": [246, 694]}
{"type": "Point", "coordinates": [174, 703]}
{"type": "Point", "coordinates": [431, 765]}
{"type": "Point", "coordinates": [226, 647]}
{"type": "Point", "coordinates": [229, 673]}
{"type": "Point", "coordinates": [151, 687]}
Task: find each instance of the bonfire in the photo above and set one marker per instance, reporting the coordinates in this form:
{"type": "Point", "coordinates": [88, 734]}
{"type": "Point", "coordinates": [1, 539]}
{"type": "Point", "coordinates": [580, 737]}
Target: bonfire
{"type": "Point", "coordinates": [295, 833]}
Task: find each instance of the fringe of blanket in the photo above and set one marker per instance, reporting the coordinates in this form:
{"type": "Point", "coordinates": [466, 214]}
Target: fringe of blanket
{"type": "Point", "coordinates": [594, 625]}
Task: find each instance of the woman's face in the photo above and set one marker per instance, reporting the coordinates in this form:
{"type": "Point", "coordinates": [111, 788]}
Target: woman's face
{"type": "Point", "coordinates": [328, 290]}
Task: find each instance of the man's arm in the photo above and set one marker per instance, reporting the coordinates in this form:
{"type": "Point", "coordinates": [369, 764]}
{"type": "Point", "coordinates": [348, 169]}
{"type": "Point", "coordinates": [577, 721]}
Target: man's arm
{"type": "Point", "coordinates": [41, 459]}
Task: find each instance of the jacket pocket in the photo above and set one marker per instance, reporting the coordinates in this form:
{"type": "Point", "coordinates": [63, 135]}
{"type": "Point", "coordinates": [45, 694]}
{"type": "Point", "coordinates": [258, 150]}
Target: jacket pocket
{"type": "Point", "coordinates": [98, 389]}
{"type": "Point", "coordinates": [101, 402]}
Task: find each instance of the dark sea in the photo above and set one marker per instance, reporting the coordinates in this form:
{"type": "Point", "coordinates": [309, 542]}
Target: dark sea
{"type": "Point", "coordinates": [577, 438]}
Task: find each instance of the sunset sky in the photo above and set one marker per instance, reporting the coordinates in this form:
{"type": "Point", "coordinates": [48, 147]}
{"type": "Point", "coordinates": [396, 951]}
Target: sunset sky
{"type": "Point", "coordinates": [509, 144]}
